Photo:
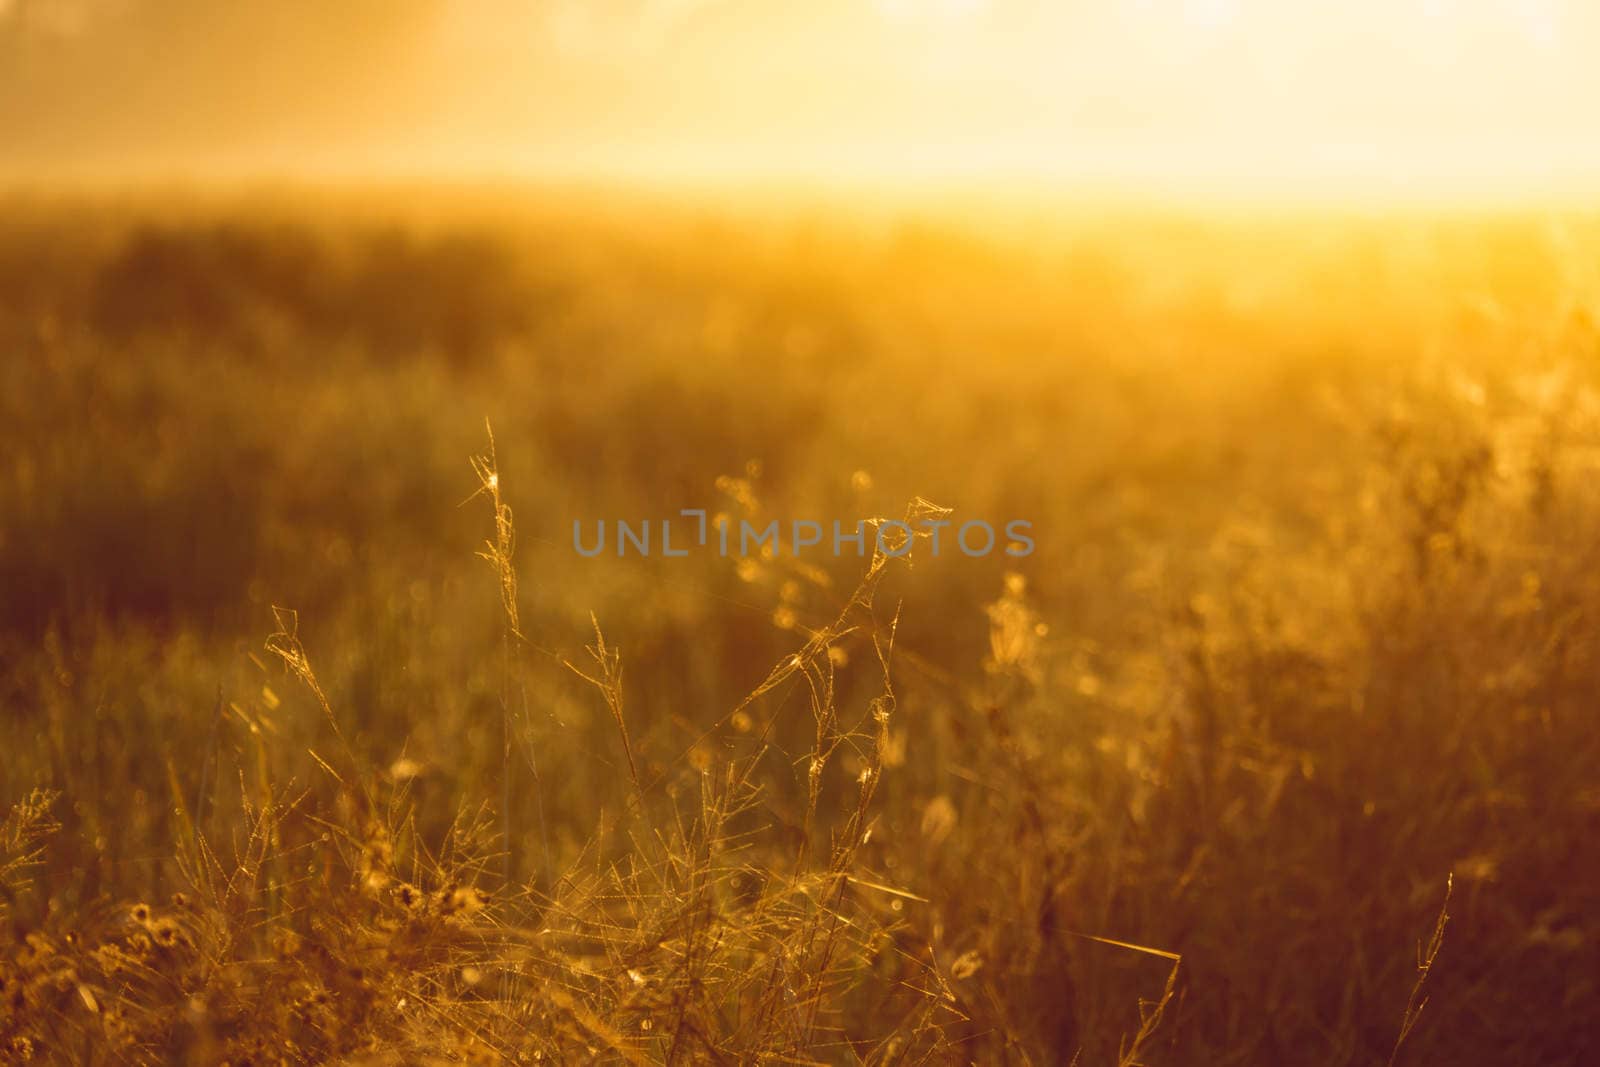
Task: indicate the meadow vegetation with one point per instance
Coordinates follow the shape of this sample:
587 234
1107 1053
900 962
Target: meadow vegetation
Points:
322 744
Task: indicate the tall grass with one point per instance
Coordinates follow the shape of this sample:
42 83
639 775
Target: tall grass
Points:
1307 638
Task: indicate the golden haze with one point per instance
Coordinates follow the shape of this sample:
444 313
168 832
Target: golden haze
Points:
321 325
1369 99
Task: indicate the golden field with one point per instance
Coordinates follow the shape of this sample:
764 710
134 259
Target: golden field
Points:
321 743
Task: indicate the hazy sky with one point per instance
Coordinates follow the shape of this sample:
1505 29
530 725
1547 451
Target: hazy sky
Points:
1384 94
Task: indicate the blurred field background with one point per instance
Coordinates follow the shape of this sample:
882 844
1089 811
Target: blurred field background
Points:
1312 627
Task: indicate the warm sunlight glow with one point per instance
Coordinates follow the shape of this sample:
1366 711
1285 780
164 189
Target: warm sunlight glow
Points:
1410 97
1013 531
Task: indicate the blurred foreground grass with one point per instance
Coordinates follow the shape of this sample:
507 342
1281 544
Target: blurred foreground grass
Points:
1313 622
